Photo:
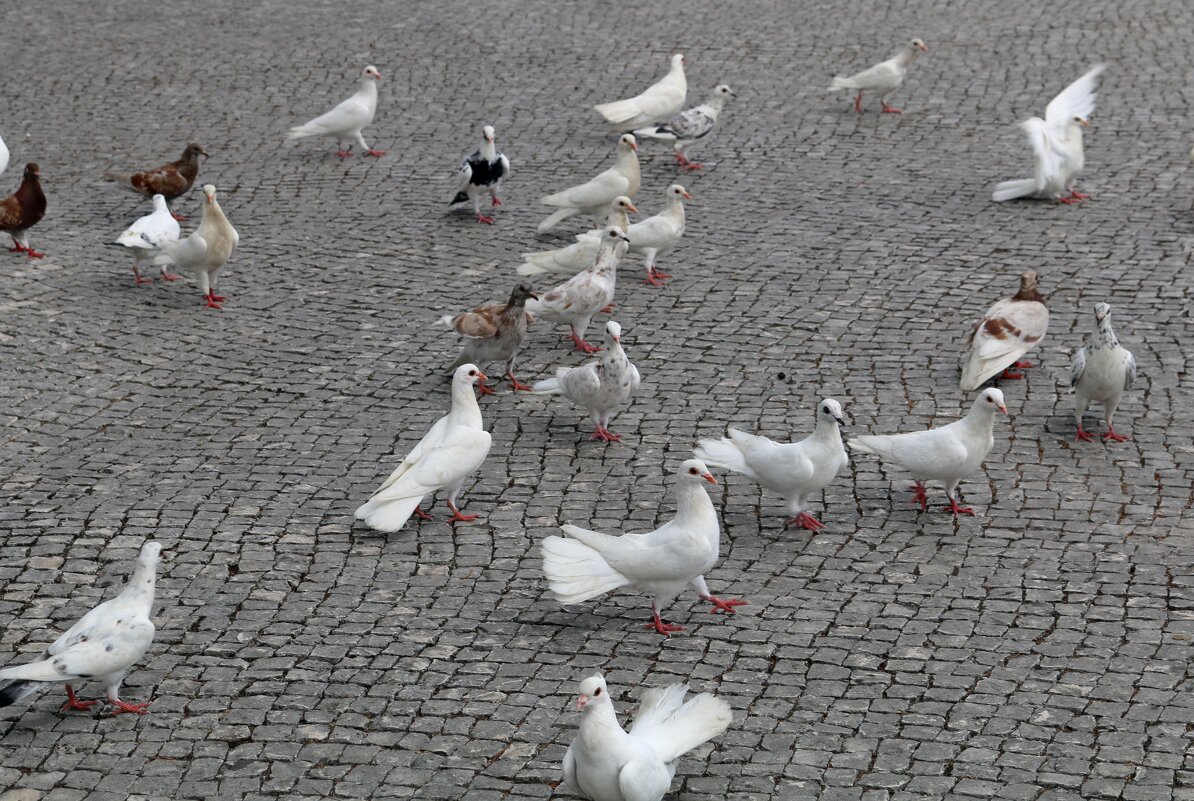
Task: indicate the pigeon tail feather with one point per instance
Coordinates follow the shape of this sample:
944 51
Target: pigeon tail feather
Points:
618 111
34 671
1010 190
575 572
387 515
722 452
840 82
699 720
556 218
17 691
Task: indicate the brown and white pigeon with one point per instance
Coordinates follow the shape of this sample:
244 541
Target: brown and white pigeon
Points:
493 333
171 180
22 210
1008 330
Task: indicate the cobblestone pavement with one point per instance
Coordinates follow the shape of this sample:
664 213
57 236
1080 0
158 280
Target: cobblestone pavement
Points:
1038 651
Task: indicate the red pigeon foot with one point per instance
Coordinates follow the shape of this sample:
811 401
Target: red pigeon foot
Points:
73 702
179 217
663 628
1078 195
375 153
692 165
1023 365
720 605
1009 375
805 520
457 516
212 302
921 497
421 514
1084 436
171 277
481 218
609 309
121 706
958 510
33 254
1111 435
517 385
655 279
1069 201
140 279
858 103
891 109
218 298
485 389
583 346
497 201
605 435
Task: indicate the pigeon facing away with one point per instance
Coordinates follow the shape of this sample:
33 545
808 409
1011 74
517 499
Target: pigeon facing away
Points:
600 387
607 763
581 253
584 564
1101 371
690 126
1008 330
102 646
794 470
575 301
22 210
657 102
1057 145
947 454
493 333
593 198
207 250
148 235
346 120
170 180
883 78
480 173
448 454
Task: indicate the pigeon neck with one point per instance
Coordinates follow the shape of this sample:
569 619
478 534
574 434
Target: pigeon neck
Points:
1073 132
627 161
981 414
1029 294
675 205
906 56
465 410
143 581
826 429
607 261
488 151
30 191
619 219
716 103
367 87
600 720
692 502
1106 335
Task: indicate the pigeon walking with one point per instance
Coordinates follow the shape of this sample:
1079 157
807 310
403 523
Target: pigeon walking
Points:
657 102
207 250
600 387
102 646
149 235
581 253
171 180
883 78
1056 143
593 198
795 470
454 449
346 121
1005 334
493 333
947 454
690 126
584 564
1101 371
482 173
575 301
22 210
607 763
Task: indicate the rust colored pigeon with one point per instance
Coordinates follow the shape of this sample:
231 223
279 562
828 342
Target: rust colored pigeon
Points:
22 210
169 180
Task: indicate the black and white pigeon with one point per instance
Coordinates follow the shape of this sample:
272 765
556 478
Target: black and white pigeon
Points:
1101 371
102 646
690 126
482 173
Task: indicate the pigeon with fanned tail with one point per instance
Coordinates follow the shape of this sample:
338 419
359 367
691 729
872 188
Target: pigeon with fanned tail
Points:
795 470
690 126
1004 335
656 103
601 387
1102 371
493 333
346 121
581 253
480 174
575 301
947 454
883 78
171 180
148 235
593 198
101 647
607 763
22 210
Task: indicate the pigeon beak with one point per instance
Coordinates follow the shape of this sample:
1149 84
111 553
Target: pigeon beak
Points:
1003 408
202 152
481 376
687 196
839 421
1084 123
922 47
709 477
618 340
634 147
532 296
581 701
632 208
625 238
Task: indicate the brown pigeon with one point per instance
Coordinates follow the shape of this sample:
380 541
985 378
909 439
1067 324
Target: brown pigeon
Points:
22 210
1005 334
493 333
169 180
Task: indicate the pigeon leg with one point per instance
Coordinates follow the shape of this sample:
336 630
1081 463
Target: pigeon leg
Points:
178 217
123 706
375 153
1069 201
605 435
609 309
342 153
582 345
139 278
657 623
858 103
481 218
33 254
958 510
805 520
497 201
656 278
1022 364
1076 195
1111 435
485 389
419 513
169 276
457 516
73 702
212 301
1084 435
517 385
1009 375
693 165
722 605
890 109
921 497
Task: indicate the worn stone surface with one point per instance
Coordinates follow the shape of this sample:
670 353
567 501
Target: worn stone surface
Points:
1038 651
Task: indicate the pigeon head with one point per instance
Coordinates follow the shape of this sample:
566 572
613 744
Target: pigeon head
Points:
159 203
613 331
150 553
723 91
919 44
146 567
990 400
628 140
677 192
1102 311
521 294
467 375
678 61
1028 290
624 203
32 171
488 134
371 72
612 236
831 410
592 692
209 192
194 151
694 471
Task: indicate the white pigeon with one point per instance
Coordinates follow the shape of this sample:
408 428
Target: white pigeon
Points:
448 454
593 198
883 78
794 470
346 120
584 564
947 454
102 646
1101 371
657 233
575 301
690 126
607 763
1057 145
600 387
581 253
657 102
3 156
207 250
1005 334
149 235
481 174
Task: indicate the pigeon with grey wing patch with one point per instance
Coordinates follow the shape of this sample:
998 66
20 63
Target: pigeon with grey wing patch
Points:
690 126
1102 371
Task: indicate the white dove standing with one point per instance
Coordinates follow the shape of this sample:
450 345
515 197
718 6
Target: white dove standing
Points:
581 253
883 78
1057 145
575 301
1101 371
454 449
102 646
690 126
947 454
607 763
794 470
207 250
661 563
346 120
1005 334
657 102
149 235
600 387
480 174
593 198
658 233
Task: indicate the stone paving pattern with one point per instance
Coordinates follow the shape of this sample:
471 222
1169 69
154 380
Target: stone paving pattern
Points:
1040 651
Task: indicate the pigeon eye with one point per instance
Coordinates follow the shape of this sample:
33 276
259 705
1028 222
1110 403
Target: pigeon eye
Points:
692 471
597 692
472 372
